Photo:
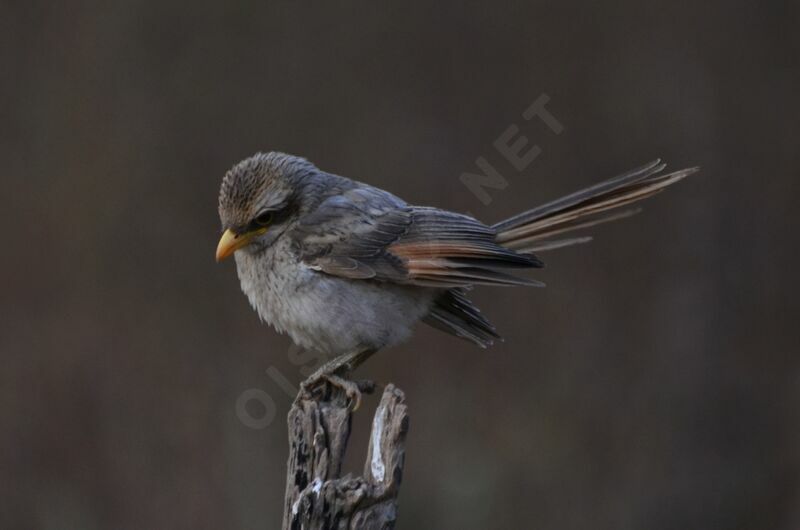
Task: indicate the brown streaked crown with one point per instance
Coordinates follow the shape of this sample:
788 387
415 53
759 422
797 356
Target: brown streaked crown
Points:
262 181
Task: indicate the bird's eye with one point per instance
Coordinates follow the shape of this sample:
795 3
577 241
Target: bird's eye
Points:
264 219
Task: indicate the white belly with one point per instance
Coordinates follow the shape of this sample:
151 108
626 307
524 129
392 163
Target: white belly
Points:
326 313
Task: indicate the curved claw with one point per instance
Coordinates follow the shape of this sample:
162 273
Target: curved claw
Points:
351 390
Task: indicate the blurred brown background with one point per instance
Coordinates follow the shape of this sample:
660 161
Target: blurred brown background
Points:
654 384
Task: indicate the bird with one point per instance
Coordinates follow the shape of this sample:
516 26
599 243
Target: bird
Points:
347 269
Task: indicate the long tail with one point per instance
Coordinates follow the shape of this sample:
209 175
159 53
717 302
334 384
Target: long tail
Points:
533 230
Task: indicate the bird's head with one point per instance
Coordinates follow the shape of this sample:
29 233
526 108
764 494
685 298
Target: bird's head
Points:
259 198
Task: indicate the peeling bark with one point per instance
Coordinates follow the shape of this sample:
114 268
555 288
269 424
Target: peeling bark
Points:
317 497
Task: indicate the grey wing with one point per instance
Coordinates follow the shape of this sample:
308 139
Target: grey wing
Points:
369 234
347 235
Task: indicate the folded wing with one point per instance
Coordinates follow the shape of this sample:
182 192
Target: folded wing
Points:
368 234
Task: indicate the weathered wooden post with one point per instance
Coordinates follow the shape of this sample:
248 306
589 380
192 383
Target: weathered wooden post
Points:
317 497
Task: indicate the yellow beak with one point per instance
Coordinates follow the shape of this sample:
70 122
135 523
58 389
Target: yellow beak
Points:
230 242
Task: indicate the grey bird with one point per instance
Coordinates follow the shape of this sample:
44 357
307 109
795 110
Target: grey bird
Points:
347 269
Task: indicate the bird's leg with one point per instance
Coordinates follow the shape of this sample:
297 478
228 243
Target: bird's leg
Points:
334 373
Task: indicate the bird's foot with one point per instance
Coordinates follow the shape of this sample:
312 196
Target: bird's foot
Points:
323 383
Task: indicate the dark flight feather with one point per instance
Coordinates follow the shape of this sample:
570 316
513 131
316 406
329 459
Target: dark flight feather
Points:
404 244
455 314
586 207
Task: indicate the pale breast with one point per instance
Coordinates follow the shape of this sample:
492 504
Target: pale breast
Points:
327 313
